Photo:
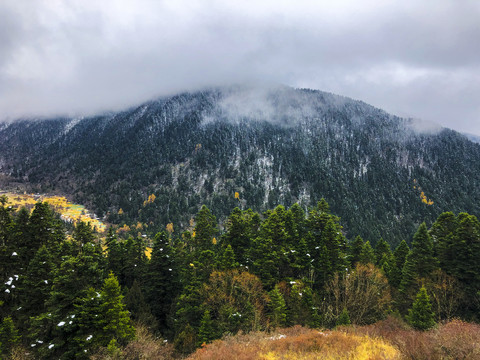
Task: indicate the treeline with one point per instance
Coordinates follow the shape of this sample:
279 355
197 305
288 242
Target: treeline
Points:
64 296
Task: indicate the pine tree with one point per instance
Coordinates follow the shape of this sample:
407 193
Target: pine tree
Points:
206 332
325 234
465 264
116 256
9 337
278 308
44 228
162 283
381 249
205 229
265 261
367 256
36 285
185 342
421 316
355 250
273 232
419 262
399 255
83 233
236 234
343 318
115 319
134 261
22 236
228 259
442 233
422 252
140 311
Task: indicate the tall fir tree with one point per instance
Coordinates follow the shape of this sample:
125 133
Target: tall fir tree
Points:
355 250
36 284
9 337
421 316
205 230
420 261
115 320
367 255
206 332
278 308
400 256
465 265
442 233
382 249
162 283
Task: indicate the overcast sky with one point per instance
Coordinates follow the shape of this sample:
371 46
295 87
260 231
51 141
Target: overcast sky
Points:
416 58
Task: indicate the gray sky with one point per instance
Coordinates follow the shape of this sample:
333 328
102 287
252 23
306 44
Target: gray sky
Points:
412 58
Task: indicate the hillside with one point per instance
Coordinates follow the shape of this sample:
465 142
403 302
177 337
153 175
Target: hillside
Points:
252 148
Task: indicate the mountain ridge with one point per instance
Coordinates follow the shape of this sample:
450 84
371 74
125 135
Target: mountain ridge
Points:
270 145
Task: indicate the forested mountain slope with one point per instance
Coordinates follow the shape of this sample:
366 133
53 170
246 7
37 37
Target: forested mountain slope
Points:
383 175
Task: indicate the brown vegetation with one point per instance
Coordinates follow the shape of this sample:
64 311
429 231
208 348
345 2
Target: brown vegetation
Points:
453 340
297 343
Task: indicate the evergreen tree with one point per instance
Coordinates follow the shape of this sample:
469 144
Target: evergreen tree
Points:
205 230
21 236
83 233
265 261
367 256
162 284
422 252
273 232
442 233
36 285
302 260
343 318
419 262
326 243
381 249
116 255
206 332
186 340
115 320
140 311
355 251
465 264
421 316
6 222
239 233
9 337
278 308
228 259
44 228
301 305
401 253
134 261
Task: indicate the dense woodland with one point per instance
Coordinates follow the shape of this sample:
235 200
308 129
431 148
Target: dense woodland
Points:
67 295
271 146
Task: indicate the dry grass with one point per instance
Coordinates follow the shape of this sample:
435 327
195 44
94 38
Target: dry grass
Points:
298 343
453 340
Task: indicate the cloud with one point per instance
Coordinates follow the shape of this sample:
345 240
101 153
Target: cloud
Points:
79 57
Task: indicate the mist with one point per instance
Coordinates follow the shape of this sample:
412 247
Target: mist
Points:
82 57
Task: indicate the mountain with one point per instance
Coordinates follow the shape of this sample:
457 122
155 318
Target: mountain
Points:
473 137
383 175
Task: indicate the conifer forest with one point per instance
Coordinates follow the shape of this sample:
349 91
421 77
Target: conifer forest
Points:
70 294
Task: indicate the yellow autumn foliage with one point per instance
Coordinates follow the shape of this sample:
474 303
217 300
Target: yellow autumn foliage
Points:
368 348
69 212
